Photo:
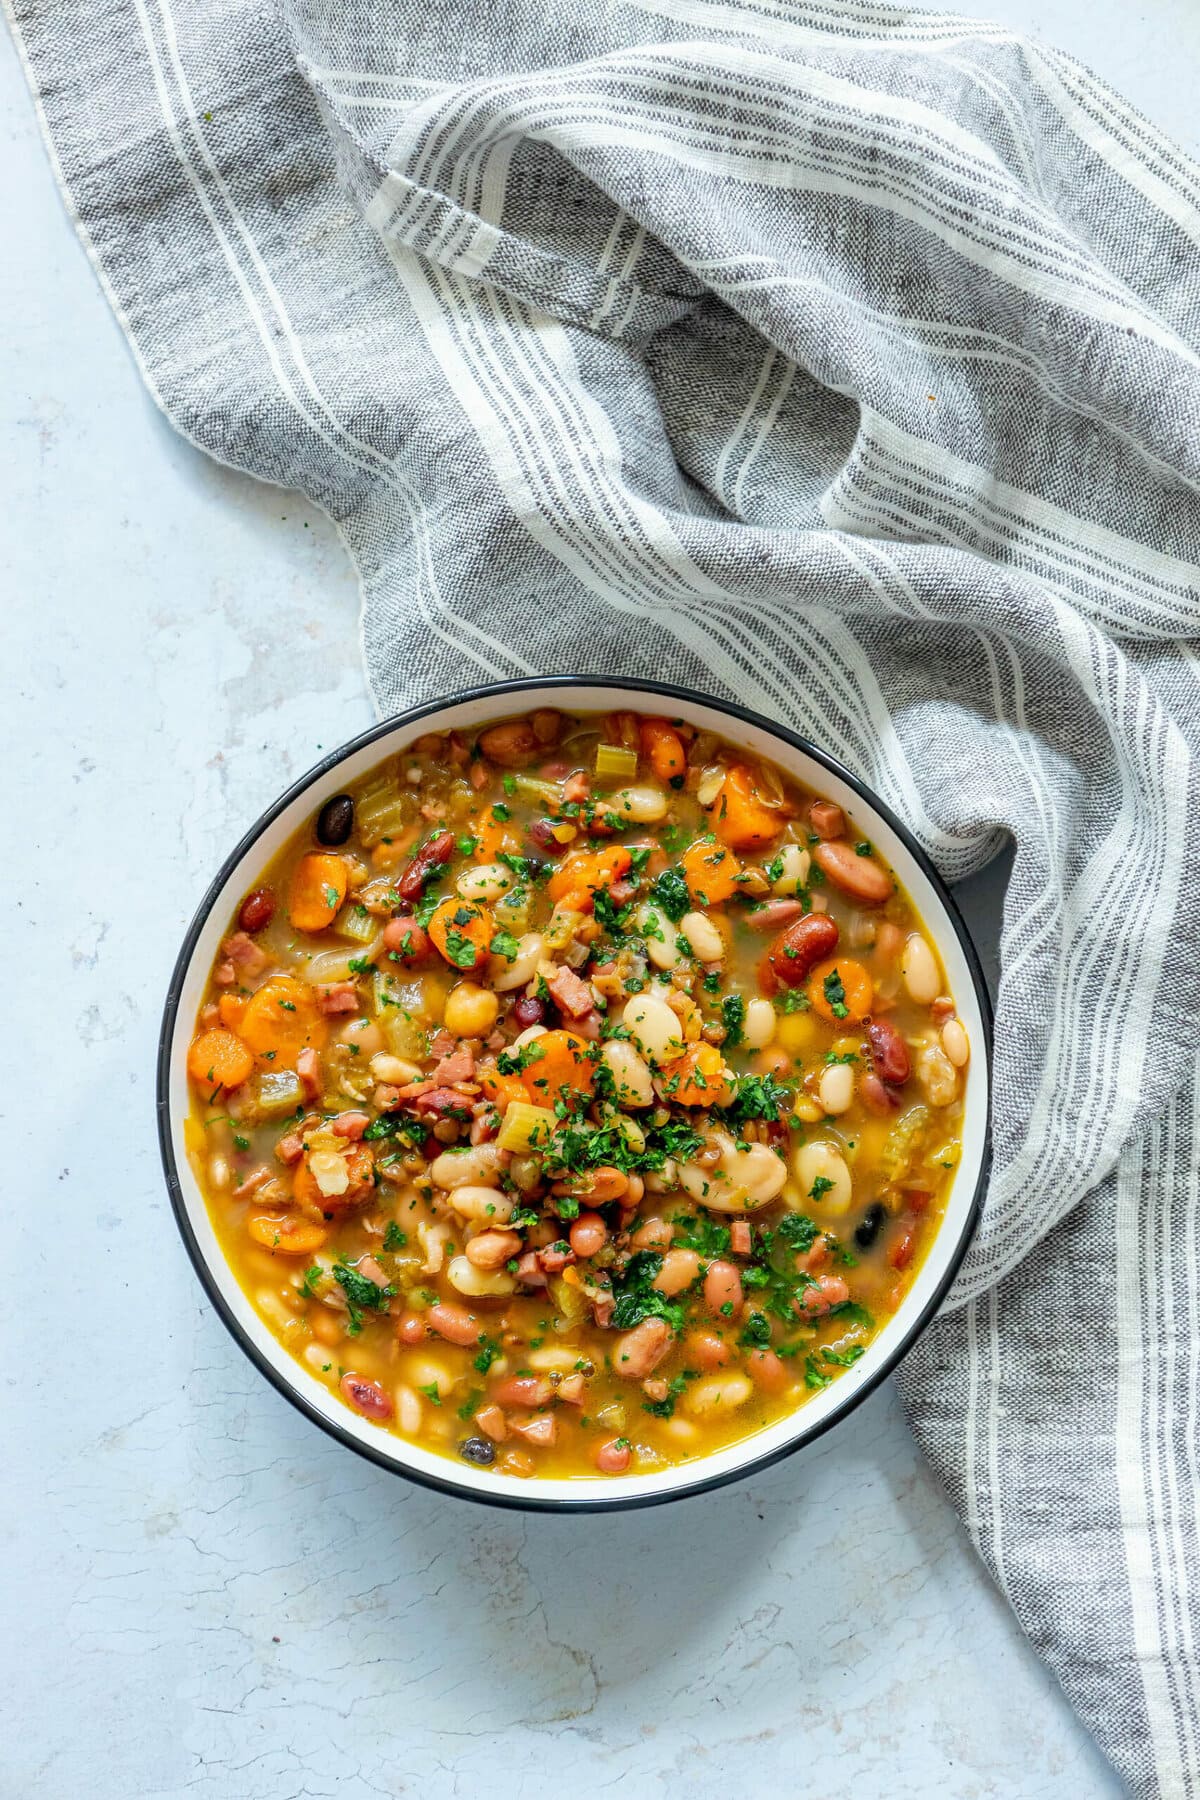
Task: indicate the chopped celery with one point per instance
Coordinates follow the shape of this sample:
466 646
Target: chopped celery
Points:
404 1036
383 810
615 762
277 1094
545 793
356 923
526 1127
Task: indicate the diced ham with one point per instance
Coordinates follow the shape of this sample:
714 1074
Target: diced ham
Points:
576 788
437 1100
571 995
224 974
386 1096
338 997
351 1124
245 955
308 1069
740 1241
554 1258
250 1184
441 1043
621 891
529 1271
290 1148
459 1065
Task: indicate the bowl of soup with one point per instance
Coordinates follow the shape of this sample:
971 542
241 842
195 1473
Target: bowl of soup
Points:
575 1093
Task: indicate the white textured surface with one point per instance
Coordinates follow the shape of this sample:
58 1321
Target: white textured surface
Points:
202 1595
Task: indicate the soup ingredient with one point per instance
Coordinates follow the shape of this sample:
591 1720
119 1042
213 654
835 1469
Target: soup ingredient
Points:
219 1060
335 821
318 888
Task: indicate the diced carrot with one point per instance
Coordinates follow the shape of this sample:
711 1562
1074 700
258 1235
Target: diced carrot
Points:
664 747
588 870
711 871
462 932
318 888
741 817
231 1007
289 1235
566 1061
856 996
697 1078
503 1089
492 835
279 1019
218 1059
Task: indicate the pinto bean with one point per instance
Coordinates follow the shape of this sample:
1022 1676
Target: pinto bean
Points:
767 1371
613 1456
454 1323
826 1292
889 1052
257 910
523 1390
801 946
653 1234
708 1348
367 1397
861 877
403 937
679 1269
511 744
773 915
723 1287
410 1328
588 1234
639 1351
492 1249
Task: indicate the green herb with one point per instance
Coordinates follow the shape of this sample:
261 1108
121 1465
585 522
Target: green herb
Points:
841 1056
756 1332
358 965
820 1187
637 1298
670 891
798 1232
362 1294
474 1396
461 951
733 1017
843 1359
500 812
489 1352
663 1409
240 1142
509 784
701 1234
567 1207
308 1287
511 1062
506 945
290 1005
396 1125
525 868
332 898
431 1393
427 908
814 1375
863 849
393 1237
466 846
757 1097
835 994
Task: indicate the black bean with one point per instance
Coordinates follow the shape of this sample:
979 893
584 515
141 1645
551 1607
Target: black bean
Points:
335 821
477 1450
871 1225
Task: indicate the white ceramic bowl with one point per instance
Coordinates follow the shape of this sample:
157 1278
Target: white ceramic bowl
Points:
582 695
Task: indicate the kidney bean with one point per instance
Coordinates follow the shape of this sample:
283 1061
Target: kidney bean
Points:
492 1249
803 944
723 1287
411 1328
257 910
542 833
876 1096
859 876
639 1351
613 1457
335 821
432 856
773 915
454 1323
588 1234
523 1390
404 938
767 1371
827 1292
827 819
708 1348
889 1052
367 1396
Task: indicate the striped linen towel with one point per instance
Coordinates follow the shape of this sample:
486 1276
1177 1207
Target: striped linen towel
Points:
841 358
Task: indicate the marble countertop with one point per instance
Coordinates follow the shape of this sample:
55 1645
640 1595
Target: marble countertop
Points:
203 1595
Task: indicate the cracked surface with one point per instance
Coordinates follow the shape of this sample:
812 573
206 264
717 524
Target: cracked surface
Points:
203 1596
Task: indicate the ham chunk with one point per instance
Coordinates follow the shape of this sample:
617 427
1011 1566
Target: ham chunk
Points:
245 955
338 997
572 996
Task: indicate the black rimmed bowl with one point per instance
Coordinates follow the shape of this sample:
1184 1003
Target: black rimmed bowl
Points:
466 712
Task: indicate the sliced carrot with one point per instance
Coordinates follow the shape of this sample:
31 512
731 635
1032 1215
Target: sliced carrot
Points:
741 817
840 982
664 747
492 835
697 1078
588 870
218 1059
462 933
289 1235
279 1019
231 1007
503 1089
711 871
318 888
566 1061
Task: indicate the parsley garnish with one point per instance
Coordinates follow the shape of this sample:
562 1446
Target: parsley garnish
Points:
670 891
835 994
362 1294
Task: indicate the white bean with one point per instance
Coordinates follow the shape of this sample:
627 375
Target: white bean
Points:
956 1043
794 865
654 1028
919 969
218 1172
937 1075
631 1076
487 1206
836 1088
487 881
466 1168
759 1027
527 1036
719 1393
662 938
744 1178
821 1165
642 805
318 1357
408 1410
394 1069
708 946
522 969
478 1284
552 1359
280 1308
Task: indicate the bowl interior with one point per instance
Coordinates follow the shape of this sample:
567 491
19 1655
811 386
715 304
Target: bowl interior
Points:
291 1376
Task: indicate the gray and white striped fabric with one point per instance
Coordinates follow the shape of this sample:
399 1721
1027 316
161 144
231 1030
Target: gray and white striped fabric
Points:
842 358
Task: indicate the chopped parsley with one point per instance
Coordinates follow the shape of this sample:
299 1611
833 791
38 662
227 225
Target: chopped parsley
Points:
393 1237
506 945
670 891
362 1294
733 1017
835 994
488 1353
637 1297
